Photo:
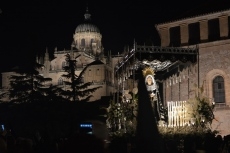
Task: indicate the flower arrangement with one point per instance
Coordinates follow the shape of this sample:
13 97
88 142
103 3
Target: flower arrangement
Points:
199 116
121 116
201 108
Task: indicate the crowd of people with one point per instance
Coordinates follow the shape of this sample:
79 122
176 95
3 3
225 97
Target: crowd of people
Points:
86 143
90 143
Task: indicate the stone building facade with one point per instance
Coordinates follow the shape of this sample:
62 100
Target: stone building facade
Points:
210 33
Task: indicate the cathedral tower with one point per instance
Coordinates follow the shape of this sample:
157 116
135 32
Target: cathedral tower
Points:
87 37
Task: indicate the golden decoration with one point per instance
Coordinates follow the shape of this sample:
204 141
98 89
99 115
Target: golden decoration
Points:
148 71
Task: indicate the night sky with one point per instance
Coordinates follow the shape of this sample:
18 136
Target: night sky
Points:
29 26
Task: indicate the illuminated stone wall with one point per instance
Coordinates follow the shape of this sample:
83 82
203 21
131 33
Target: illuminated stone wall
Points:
213 61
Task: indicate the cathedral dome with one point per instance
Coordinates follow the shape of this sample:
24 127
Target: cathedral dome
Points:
87 26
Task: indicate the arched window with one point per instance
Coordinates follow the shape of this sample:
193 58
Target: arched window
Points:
218 90
60 81
91 42
63 64
83 42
